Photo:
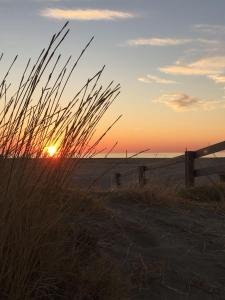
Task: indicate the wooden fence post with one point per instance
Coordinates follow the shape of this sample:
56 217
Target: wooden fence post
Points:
118 180
142 176
189 168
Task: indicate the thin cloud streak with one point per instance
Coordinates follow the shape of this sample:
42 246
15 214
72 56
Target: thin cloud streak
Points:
162 42
217 78
85 14
155 79
209 28
158 42
205 66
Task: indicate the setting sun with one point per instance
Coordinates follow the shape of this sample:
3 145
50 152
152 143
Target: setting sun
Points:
51 150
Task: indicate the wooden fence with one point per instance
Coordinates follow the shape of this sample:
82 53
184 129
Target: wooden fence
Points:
191 173
189 160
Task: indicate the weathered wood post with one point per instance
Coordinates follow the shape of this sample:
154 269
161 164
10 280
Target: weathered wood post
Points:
189 168
118 180
142 175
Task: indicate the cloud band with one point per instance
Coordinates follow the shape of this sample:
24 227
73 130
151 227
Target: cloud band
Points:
85 14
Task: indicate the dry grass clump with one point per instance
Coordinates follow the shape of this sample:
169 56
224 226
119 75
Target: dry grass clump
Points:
206 193
208 196
47 246
48 249
150 194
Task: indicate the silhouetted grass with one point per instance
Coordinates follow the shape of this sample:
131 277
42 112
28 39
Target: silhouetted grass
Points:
32 116
47 246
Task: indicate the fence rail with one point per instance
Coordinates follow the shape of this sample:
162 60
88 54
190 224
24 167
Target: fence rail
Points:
190 172
210 149
191 156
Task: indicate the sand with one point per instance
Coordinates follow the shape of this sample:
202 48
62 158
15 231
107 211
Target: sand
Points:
170 250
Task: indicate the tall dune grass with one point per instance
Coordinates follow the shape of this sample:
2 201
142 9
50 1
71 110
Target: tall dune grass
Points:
46 249
32 117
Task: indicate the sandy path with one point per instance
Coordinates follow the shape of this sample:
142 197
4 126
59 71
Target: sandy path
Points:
172 252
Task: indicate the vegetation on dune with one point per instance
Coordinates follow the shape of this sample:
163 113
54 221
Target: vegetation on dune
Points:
47 248
32 116
206 193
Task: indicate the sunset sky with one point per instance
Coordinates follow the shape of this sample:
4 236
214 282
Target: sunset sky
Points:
168 55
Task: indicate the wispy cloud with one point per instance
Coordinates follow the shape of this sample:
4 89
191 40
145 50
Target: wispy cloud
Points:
209 28
181 102
170 41
157 42
85 14
209 42
205 66
155 79
218 78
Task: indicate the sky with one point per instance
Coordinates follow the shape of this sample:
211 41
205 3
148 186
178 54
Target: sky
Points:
168 56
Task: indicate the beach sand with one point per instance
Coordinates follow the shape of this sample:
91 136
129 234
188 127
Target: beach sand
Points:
171 250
